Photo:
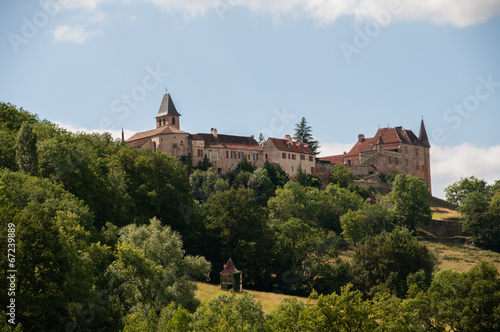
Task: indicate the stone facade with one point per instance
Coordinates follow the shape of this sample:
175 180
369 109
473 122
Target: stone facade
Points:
390 150
290 155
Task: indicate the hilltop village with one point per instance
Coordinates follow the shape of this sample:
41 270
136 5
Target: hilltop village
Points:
395 149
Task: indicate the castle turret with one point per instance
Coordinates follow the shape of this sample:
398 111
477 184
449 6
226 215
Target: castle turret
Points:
167 114
424 141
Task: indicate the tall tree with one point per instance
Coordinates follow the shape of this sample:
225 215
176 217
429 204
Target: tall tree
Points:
303 133
26 153
410 197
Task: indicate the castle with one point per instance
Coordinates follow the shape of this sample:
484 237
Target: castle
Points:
223 151
390 150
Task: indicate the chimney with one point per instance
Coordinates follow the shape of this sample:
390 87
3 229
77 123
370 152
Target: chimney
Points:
288 138
213 131
361 138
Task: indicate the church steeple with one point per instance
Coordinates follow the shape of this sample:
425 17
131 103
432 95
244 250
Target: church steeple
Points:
422 135
167 114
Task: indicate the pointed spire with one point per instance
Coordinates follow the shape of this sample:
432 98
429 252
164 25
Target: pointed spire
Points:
167 107
422 135
123 136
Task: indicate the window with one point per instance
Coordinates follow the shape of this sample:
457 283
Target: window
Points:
240 155
418 167
406 162
283 155
210 154
173 121
288 156
312 170
218 155
423 167
227 154
292 168
311 159
396 161
389 160
154 146
293 157
255 156
266 156
215 164
349 162
233 154
200 153
406 149
302 157
416 152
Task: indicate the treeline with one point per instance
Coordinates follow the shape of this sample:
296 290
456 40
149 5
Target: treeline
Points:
108 237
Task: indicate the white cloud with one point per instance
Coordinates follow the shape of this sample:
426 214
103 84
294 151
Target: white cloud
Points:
333 148
449 164
78 35
459 13
116 134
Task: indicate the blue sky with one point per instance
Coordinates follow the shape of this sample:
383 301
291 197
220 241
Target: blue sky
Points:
246 67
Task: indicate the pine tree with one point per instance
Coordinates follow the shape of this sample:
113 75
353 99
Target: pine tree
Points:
26 153
261 140
303 134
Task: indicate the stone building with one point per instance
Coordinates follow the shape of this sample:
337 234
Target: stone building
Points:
230 277
290 155
390 150
223 151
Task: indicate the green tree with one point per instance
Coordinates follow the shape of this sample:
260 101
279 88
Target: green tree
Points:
341 175
26 150
236 225
276 173
307 180
303 134
457 192
354 226
482 220
261 140
204 164
391 260
260 182
410 197
151 269
202 183
227 312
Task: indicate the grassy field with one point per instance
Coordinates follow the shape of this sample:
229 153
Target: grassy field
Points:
205 292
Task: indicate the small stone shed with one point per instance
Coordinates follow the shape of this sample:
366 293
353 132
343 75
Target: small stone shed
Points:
230 277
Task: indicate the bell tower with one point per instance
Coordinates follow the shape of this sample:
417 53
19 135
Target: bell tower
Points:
167 114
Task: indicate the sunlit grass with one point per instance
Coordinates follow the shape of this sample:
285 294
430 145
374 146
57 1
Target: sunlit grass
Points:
206 292
441 213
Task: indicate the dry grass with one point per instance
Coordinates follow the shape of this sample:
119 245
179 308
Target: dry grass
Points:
441 213
461 257
206 292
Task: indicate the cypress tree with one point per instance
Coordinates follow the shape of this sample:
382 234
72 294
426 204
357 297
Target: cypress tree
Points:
26 153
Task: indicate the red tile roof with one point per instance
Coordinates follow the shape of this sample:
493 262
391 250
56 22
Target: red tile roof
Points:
138 143
392 138
228 141
296 147
154 132
229 268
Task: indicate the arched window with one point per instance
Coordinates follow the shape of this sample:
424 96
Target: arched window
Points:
154 146
173 121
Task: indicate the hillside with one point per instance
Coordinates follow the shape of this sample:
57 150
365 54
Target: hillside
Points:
451 254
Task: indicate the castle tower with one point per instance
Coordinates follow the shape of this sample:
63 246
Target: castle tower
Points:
424 141
167 114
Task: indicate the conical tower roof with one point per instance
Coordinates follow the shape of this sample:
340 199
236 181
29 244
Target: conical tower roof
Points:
422 135
167 107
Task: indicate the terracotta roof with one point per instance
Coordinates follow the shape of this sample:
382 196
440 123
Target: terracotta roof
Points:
338 159
284 145
138 143
167 107
228 141
229 268
157 131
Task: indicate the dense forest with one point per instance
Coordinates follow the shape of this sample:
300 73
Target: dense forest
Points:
109 238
